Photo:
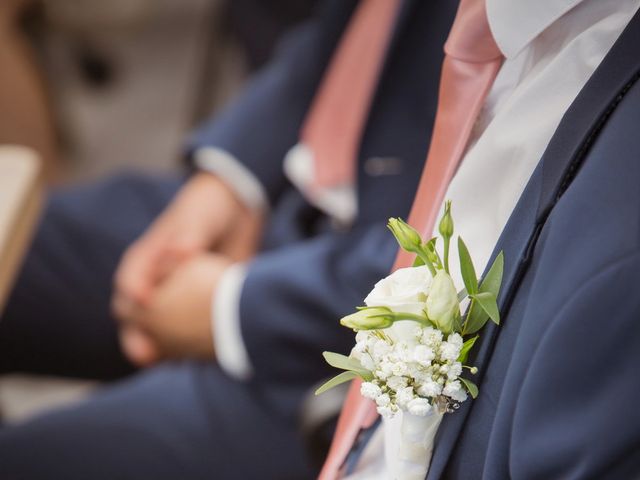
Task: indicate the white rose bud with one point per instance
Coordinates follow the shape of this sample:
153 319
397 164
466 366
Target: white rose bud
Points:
442 303
408 238
368 319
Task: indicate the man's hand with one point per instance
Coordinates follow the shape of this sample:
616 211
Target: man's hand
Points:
176 323
205 215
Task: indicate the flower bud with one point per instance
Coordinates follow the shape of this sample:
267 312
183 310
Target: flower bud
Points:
408 238
442 303
446 222
368 319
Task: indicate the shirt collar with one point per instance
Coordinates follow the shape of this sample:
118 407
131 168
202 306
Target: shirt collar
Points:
515 23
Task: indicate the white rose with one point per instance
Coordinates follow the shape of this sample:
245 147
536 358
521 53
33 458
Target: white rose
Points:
405 290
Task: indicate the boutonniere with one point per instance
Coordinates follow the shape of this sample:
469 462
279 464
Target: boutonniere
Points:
412 338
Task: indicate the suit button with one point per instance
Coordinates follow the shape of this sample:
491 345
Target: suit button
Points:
379 166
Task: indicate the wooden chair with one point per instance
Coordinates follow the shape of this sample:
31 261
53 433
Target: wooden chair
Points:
21 195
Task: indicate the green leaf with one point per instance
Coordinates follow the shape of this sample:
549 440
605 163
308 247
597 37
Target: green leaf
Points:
337 380
418 262
476 319
466 348
462 294
430 250
341 361
470 386
466 268
492 281
345 363
489 304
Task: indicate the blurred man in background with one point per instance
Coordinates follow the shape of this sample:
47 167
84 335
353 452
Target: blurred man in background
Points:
191 286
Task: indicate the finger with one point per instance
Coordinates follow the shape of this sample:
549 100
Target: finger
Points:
138 346
241 244
137 272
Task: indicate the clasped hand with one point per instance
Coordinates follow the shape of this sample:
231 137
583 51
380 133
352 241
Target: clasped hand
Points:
167 279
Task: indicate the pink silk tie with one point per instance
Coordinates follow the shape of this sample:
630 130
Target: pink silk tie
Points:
333 127
470 66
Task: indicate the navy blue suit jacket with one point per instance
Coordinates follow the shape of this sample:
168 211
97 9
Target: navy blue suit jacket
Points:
559 390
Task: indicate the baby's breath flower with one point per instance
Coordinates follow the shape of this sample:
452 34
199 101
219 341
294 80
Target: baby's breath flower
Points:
383 400
449 351
423 355
455 370
381 348
400 368
430 389
386 412
404 396
419 407
396 383
455 391
431 337
455 339
370 390
367 362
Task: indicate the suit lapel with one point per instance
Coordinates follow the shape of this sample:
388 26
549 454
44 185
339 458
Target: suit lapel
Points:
589 112
559 164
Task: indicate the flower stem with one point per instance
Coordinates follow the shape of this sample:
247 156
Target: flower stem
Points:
447 240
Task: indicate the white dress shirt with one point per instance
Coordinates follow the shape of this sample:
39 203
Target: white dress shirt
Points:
551 48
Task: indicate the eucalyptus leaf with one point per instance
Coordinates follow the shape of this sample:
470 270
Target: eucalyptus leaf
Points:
489 304
337 380
466 268
466 348
470 386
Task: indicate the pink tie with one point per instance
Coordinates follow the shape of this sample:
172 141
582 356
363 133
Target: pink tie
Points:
333 127
470 65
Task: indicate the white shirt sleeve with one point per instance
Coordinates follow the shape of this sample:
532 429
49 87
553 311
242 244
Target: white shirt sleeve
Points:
243 182
225 305
230 349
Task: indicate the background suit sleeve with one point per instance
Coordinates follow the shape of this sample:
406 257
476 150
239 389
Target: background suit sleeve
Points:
260 126
294 297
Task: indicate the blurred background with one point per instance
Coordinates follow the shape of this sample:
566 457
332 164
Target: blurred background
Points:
98 86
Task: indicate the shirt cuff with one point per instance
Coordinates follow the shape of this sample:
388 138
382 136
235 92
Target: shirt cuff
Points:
241 180
230 349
